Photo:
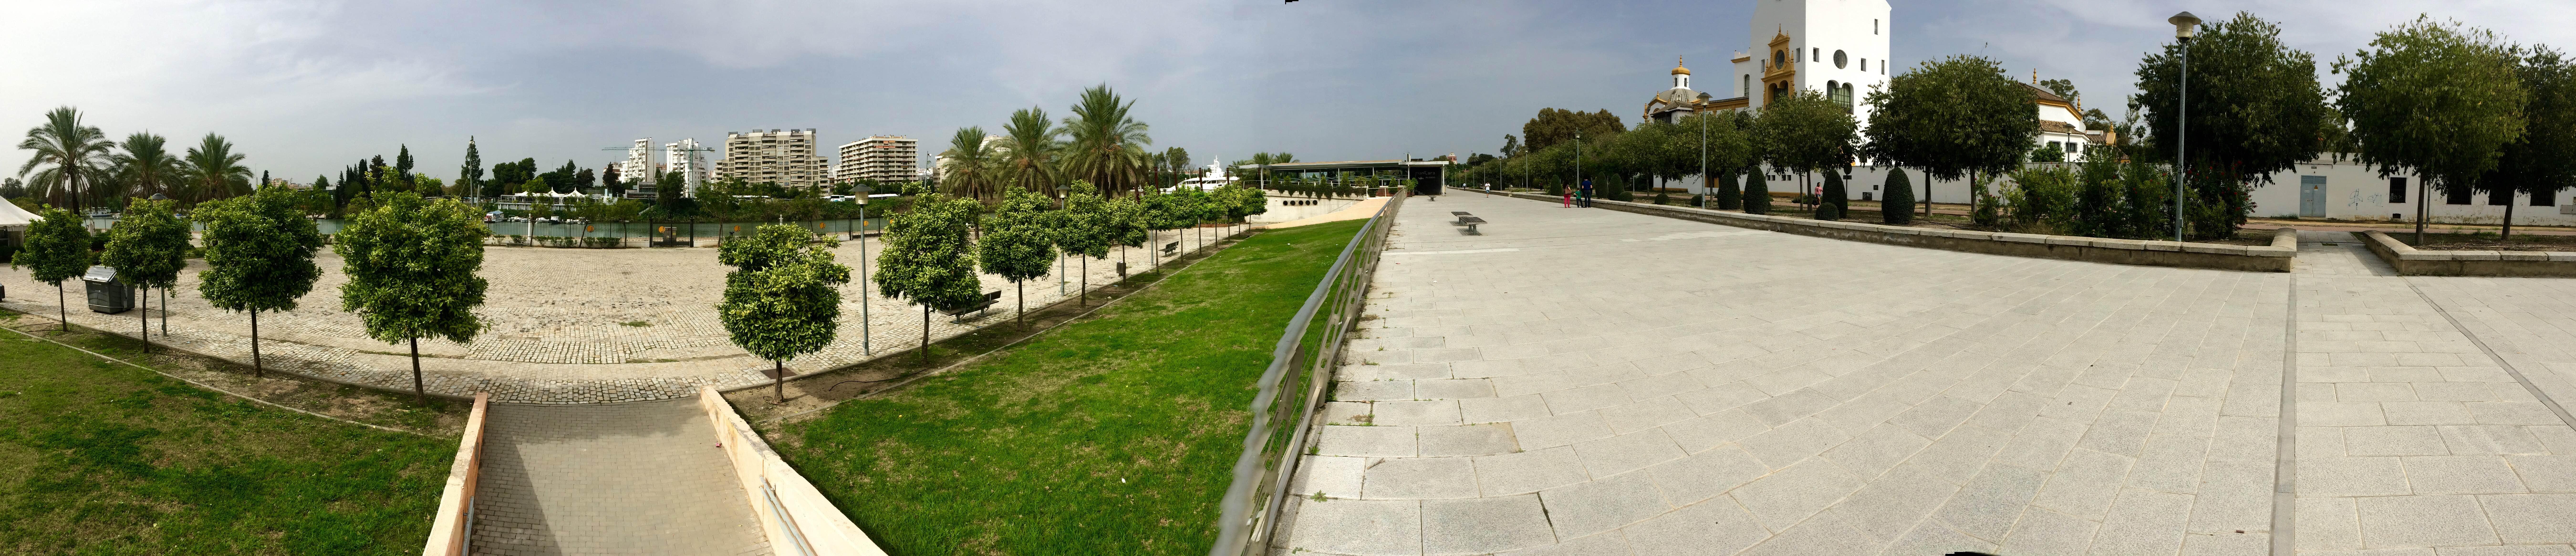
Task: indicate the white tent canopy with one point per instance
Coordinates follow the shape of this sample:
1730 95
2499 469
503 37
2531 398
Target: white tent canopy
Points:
14 218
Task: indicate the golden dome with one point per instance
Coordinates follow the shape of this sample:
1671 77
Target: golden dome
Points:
1677 67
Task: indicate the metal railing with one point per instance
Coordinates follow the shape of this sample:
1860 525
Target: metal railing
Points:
1301 368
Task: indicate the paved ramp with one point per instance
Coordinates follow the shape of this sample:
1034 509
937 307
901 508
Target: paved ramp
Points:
631 478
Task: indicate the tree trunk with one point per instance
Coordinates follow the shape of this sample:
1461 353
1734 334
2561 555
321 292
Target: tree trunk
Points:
418 393
778 380
2423 189
1086 282
925 335
1022 299
62 307
2506 237
143 316
165 292
256 371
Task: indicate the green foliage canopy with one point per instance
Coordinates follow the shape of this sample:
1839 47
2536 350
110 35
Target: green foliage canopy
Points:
259 252
412 265
782 298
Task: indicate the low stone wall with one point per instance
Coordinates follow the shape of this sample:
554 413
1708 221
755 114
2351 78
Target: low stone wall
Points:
792 513
448 531
2273 258
2410 261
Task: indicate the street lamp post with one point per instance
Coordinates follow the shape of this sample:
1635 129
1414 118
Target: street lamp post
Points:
861 232
2184 24
1578 166
1703 160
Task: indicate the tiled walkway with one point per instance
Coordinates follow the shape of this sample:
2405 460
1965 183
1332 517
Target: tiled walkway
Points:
1596 382
631 478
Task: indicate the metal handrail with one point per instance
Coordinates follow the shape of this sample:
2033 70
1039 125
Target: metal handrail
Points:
1250 510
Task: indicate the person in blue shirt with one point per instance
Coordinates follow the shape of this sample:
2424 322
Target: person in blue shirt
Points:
1585 200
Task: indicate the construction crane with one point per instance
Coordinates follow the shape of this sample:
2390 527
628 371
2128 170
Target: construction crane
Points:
653 177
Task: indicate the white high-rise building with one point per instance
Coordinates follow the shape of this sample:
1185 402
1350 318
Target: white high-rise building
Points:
685 157
638 166
784 157
884 158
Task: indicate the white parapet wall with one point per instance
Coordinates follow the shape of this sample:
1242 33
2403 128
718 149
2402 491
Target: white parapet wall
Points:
447 534
796 518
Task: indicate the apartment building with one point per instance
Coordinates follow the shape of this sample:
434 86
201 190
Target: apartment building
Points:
685 157
785 157
884 158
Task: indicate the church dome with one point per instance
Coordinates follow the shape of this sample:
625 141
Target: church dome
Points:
1677 67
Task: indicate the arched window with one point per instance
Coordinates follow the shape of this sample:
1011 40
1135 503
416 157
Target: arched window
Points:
1779 59
1748 86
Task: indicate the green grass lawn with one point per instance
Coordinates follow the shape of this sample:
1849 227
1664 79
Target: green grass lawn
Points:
1115 435
103 458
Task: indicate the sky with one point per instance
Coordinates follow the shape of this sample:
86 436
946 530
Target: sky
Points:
306 87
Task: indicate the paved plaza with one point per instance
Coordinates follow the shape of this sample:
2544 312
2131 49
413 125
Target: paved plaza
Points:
1584 381
566 325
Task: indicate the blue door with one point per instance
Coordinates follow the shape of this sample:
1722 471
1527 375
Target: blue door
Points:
2312 196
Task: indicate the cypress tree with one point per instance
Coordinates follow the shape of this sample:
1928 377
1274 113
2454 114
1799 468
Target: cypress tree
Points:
1834 193
1757 196
1729 196
1898 207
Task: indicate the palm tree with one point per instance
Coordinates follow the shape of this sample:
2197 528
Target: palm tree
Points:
1108 147
1032 142
214 172
145 168
73 152
968 172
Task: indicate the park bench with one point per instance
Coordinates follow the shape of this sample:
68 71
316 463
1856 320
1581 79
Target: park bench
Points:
1169 247
1471 223
1462 217
978 308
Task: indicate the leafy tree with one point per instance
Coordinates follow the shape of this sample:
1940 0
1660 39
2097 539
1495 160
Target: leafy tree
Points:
1730 196
11 188
57 249
148 247
214 172
469 177
1126 222
72 152
2044 198
1552 126
1015 245
259 256
403 165
1083 228
412 264
584 180
1030 147
2254 108
1805 132
1951 119
1896 206
929 258
2435 98
616 184
1108 142
2543 161
672 199
783 297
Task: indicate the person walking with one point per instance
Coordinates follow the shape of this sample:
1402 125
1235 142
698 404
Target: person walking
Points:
1586 199
1569 199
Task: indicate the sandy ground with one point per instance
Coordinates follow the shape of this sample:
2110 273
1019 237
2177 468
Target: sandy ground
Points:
564 325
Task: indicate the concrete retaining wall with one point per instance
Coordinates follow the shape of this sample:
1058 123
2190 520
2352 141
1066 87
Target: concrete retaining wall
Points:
2273 258
447 533
2410 261
799 516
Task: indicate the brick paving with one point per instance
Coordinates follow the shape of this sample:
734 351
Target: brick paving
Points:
631 478
1595 382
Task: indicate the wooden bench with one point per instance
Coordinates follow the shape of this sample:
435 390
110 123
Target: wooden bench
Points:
1169 247
954 313
1471 223
1462 217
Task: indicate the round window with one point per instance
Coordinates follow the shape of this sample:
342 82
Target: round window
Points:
1779 58
1840 60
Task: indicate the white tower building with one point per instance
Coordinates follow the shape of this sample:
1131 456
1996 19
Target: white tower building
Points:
1837 48
638 166
684 157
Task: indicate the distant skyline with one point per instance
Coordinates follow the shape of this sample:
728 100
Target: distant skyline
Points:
305 87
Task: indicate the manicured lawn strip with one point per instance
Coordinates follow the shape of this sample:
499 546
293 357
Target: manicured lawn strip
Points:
1115 435
102 458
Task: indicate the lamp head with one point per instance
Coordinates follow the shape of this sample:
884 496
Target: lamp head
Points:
2184 24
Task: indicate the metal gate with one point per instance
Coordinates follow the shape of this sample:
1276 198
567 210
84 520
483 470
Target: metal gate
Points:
2312 196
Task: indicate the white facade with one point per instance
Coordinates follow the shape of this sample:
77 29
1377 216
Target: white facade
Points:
785 157
638 166
684 156
884 158
1836 47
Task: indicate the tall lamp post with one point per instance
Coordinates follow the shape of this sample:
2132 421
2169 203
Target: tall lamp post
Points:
1578 165
2184 25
